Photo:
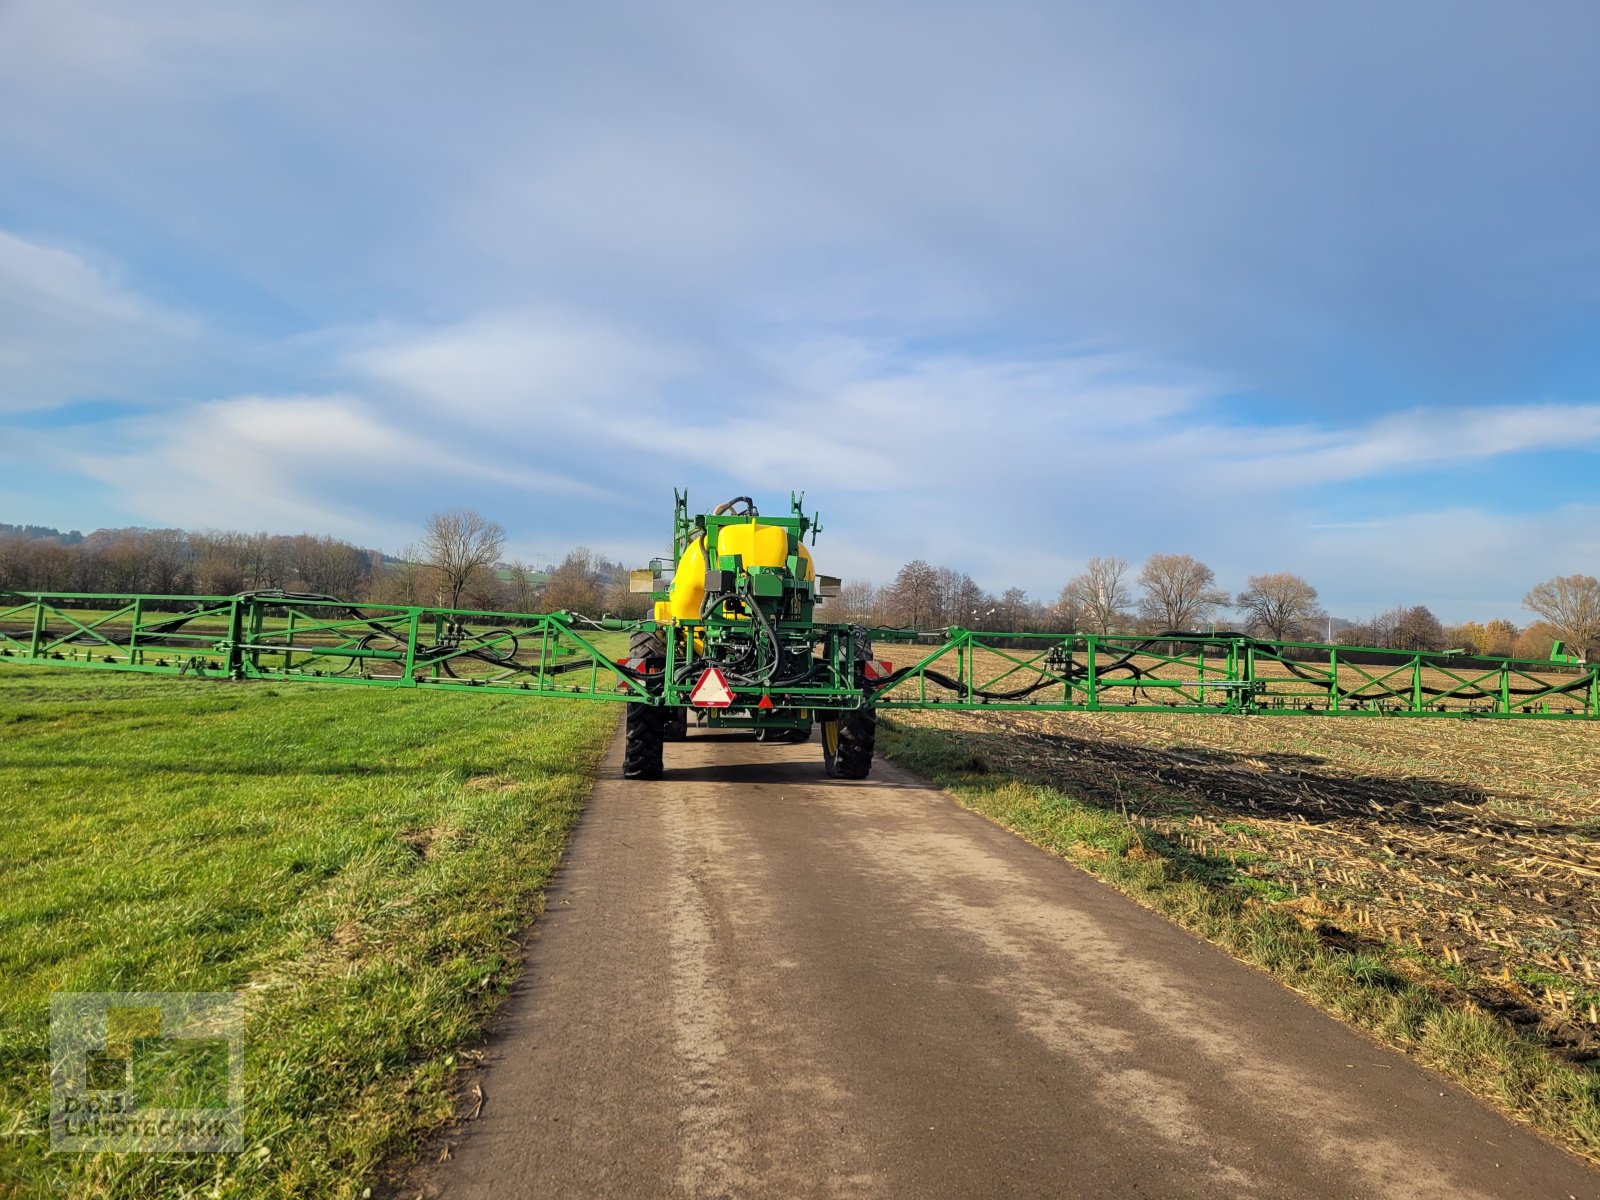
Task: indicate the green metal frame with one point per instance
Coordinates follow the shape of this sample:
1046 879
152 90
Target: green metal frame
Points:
315 641
286 638
1228 674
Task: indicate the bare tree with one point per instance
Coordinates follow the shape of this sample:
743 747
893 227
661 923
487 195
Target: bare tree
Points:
168 561
1066 613
176 562
219 575
1419 630
1387 626
965 603
1011 611
459 544
621 601
264 561
1180 592
575 585
485 592
1571 603
857 603
1280 604
327 565
523 588
1381 631
14 561
914 595
1100 594
405 580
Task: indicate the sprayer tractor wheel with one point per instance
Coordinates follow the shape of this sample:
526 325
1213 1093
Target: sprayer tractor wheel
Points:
649 725
847 743
641 756
647 644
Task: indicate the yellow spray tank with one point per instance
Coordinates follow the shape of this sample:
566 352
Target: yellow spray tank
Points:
756 544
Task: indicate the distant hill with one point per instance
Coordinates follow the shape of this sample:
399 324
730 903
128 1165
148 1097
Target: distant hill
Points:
41 532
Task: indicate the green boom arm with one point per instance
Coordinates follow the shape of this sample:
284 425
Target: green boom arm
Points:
285 637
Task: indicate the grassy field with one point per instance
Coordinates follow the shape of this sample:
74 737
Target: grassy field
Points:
1435 882
354 863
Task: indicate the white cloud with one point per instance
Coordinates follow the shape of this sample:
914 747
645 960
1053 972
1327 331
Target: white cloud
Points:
276 461
521 372
69 330
829 409
1301 455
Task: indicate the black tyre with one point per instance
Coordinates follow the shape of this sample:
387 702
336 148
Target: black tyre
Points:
649 725
647 644
848 743
641 757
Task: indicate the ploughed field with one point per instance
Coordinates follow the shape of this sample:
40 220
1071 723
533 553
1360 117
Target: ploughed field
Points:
1471 846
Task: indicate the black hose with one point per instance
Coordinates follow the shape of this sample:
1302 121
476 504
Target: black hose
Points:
1124 663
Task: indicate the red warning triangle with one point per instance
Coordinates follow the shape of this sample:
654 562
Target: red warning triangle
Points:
766 703
711 691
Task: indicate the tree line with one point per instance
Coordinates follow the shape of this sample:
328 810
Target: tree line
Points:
183 562
459 562
1179 592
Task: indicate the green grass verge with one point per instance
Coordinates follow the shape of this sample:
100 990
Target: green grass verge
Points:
1374 985
355 864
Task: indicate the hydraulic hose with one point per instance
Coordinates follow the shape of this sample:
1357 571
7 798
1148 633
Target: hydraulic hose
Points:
1124 663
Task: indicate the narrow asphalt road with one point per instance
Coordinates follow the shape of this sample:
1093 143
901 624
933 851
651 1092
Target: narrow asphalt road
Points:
755 981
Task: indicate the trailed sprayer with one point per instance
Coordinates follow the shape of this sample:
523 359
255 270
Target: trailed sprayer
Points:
733 642
735 637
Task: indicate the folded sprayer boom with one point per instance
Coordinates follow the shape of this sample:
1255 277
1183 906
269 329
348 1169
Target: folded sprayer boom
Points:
733 640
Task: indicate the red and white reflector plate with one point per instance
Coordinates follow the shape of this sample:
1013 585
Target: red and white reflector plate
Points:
879 668
711 690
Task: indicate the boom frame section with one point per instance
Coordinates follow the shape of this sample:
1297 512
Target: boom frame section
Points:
290 638
313 639
1228 674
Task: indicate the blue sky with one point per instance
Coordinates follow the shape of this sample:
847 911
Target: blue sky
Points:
1289 287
